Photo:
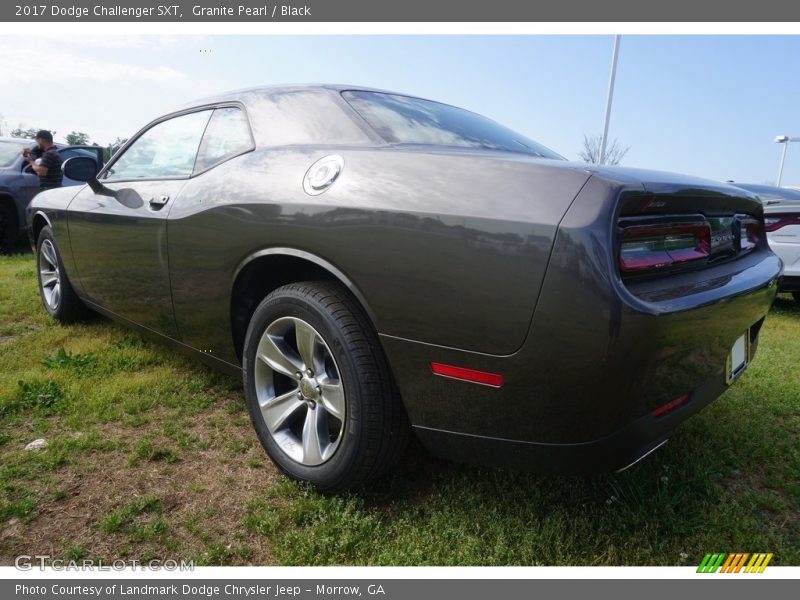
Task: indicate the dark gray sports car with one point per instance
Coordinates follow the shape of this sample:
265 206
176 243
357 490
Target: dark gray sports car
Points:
373 263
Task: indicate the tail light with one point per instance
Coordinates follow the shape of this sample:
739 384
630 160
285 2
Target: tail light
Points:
775 222
653 246
749 233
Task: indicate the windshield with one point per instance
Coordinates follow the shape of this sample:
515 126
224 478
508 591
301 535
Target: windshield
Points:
407 120
9 151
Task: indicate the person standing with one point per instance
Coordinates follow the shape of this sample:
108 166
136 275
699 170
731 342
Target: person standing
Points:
45 161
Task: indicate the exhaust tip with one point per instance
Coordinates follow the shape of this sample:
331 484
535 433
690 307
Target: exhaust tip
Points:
642 457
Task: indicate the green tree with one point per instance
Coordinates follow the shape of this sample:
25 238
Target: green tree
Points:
77 138
29 134
112 148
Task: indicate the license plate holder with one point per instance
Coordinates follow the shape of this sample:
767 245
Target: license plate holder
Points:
738 358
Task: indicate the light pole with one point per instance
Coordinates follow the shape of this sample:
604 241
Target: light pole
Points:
783 139
609 97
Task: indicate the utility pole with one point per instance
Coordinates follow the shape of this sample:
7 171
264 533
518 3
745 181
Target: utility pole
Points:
609 98
783 139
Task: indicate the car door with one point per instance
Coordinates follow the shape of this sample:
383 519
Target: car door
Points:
117 224
200 249
30 181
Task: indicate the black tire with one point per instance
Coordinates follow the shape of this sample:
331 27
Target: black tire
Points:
375 430
796 296
8 228
68 308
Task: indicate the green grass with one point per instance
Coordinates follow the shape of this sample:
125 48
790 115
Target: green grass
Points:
152 455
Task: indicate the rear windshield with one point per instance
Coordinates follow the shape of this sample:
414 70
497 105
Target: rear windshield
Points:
9 151
407 120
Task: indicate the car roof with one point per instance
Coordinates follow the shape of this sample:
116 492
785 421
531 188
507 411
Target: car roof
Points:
244 94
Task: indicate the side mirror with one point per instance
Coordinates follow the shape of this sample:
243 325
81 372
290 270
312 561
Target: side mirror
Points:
80 168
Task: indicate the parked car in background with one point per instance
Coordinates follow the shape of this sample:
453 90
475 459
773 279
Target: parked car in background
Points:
782 221
19 184
367 261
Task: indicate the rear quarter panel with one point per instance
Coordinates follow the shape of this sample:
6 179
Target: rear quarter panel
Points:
449 249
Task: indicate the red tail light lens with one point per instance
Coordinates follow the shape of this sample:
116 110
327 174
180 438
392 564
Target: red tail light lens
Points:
750 234
654 246
775 222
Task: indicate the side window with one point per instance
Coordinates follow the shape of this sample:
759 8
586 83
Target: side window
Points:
227 135
167 149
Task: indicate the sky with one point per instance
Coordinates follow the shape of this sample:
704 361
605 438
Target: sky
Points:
708 106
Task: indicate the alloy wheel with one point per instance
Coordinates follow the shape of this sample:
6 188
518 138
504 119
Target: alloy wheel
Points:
49 275
300 393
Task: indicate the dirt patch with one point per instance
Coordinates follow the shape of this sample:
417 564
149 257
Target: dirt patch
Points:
202 498
740 485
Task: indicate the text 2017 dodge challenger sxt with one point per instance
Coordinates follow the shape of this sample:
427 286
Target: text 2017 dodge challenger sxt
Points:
373 263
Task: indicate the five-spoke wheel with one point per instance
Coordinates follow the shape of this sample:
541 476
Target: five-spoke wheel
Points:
49 277
300 392
58 296
318 387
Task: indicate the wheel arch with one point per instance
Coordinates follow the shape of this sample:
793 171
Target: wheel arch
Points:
38 222
270 268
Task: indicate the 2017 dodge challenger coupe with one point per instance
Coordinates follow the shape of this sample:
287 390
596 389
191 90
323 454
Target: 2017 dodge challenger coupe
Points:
373 263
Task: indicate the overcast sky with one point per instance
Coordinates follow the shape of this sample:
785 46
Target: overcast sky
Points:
703 105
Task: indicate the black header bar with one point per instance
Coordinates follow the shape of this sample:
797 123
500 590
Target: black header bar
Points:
402 11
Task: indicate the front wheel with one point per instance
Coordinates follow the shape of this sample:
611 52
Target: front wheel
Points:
796 296
319 390
58 296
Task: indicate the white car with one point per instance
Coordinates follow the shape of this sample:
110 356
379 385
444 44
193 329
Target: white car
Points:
782 221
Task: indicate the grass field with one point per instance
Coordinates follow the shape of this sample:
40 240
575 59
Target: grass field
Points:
152 456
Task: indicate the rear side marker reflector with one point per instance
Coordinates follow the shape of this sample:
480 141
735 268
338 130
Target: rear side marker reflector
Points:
471 375
670 406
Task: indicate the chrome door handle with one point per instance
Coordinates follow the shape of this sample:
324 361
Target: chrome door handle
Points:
159 200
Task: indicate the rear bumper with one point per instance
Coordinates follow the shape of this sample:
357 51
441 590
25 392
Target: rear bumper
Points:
601 353
578 396
613 452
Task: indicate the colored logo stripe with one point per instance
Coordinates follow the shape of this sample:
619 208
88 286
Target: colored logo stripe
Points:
711 563
733 563
758 563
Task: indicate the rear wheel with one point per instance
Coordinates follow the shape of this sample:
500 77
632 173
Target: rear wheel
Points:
796 296
58 296
319 390
8 228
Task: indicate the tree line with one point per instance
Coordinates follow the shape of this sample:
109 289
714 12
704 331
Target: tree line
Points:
73 138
